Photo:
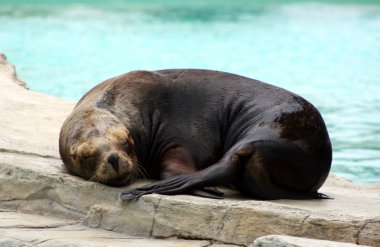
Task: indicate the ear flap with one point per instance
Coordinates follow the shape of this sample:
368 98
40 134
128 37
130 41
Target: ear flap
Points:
85 150
117 133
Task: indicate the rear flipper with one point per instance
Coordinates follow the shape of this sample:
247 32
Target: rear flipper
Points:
281 170
317 195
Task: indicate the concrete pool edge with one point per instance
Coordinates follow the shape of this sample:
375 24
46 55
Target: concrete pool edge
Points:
33 181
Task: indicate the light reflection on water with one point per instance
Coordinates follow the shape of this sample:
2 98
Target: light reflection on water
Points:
328 53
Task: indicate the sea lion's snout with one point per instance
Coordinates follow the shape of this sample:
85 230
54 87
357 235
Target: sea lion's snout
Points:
113 159
116 163
115 168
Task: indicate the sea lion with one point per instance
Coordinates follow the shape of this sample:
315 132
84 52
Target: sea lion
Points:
195 129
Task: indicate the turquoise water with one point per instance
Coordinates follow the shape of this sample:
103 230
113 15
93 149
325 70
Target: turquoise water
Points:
327 52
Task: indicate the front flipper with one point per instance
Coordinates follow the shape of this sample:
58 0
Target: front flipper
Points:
174 185
222 173
181 184
208 192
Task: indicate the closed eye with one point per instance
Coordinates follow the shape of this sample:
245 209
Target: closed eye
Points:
86 158
127 147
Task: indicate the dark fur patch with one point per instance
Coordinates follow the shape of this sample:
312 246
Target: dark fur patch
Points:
299 124
93 132
108 99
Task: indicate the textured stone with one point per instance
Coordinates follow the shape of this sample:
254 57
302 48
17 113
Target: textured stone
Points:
8 72
288 241
32 179
22 220
18 229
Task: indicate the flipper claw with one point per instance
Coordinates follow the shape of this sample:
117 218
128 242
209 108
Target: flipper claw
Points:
317 195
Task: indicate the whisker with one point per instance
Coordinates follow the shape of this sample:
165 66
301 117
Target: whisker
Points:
98 179
137 171
94 177
133 175
104 180
142 170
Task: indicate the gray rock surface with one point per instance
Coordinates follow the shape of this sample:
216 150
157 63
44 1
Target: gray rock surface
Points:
19 229
32 180
289 241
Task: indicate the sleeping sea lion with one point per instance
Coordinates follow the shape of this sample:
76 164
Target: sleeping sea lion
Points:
195 129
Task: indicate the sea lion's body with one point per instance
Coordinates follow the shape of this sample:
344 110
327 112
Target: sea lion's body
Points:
213 128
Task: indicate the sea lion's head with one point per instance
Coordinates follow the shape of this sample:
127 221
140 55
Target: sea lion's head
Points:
95 145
